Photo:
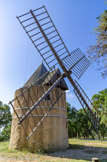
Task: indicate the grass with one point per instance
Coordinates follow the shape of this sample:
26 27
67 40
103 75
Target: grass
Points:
88 147
96 143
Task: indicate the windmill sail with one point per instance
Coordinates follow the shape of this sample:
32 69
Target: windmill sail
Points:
42 32
40 28
88 107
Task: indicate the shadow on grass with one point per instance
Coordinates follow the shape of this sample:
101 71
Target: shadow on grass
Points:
81 152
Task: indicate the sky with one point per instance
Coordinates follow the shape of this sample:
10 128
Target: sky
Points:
75 21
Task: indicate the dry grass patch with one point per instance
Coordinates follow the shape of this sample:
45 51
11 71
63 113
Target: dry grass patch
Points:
79 151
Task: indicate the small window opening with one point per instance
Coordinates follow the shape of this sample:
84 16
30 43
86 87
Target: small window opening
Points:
48 97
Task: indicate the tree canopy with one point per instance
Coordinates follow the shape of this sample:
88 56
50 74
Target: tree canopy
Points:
5 121
100 102
98 52
78 122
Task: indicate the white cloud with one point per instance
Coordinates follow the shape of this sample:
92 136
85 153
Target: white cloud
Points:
70 95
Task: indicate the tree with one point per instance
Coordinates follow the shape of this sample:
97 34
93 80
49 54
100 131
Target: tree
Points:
72 120
5 121
100 102
83 124
98 52
78 123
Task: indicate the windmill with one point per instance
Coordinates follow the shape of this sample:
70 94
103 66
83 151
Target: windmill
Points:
61 64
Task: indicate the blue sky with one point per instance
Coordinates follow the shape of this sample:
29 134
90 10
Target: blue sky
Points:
74 20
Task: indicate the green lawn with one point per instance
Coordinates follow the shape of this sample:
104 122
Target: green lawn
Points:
79 151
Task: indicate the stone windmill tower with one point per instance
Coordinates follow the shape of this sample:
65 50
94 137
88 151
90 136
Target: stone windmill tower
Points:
39 116
53 130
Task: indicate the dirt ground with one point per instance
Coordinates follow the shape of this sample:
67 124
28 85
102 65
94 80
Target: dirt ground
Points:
84 153
79 151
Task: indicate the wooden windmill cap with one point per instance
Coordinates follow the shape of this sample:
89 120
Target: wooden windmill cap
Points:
40 71
47 79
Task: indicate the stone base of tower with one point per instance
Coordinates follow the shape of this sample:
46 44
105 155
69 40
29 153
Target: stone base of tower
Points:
51 135
48 140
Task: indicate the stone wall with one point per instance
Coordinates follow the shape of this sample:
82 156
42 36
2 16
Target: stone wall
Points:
52 134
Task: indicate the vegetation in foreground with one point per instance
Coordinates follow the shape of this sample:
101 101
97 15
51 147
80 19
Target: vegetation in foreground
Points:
80 150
